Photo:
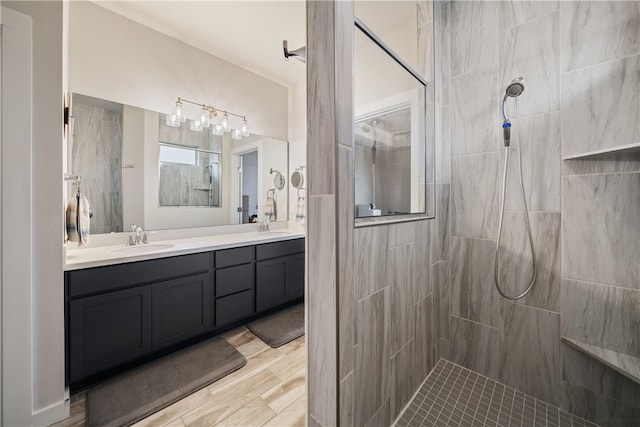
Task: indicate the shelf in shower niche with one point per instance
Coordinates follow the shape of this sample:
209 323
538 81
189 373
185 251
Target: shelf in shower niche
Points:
627 365
621 149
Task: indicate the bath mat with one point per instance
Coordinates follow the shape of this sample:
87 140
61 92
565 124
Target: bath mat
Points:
131 396
279 328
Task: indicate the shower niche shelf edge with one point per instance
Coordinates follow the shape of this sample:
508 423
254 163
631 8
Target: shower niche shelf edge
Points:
627 365
620 149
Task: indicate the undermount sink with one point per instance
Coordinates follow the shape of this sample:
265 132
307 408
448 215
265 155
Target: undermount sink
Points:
141 249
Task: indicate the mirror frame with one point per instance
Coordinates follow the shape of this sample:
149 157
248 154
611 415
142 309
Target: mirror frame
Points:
427 213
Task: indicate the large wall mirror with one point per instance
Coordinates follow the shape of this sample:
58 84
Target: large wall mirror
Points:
394 145
137 170
128 64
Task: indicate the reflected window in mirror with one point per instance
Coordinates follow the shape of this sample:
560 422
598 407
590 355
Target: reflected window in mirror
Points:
189 163
393 150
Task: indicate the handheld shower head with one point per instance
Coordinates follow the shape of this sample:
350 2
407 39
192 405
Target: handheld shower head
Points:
515 88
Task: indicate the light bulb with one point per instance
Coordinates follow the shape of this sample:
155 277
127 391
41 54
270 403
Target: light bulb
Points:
216 129
178 112
205 117
245 127
172 120
225 123
236 134
195 126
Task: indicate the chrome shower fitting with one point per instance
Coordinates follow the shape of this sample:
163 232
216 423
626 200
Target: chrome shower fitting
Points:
300 54
515 89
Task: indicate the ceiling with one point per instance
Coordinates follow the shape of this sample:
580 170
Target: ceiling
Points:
249 33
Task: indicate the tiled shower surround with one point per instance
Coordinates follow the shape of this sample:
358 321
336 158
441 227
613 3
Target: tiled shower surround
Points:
390 300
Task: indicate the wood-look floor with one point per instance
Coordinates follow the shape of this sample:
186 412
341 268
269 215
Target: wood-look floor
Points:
268 391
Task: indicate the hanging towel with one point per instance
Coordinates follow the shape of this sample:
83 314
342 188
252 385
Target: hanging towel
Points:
78 217
300 207
270 205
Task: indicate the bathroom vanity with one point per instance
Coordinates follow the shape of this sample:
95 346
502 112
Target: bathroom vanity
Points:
121 311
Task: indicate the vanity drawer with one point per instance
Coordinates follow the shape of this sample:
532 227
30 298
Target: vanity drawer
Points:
278 249
101 279
234 279
234 308
235 256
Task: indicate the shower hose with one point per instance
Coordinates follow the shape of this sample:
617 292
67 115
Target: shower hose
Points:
496 275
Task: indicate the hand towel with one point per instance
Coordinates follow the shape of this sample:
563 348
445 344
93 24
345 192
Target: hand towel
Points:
300 208
78 217
270 206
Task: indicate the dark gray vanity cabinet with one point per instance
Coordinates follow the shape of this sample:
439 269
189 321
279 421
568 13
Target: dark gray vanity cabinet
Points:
120 313
108 330
119 316
181 309
279 273
235 285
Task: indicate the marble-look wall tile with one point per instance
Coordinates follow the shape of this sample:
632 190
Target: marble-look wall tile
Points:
321 312
516 267
601 229
442 51
426 52
321 110
442 349
612 163
441 295
539 138
402 288
443 144
605 316
443 219
346 400
476 115
370 253
473 293
530 356
601 106
592 32
372 356
474 39
382 417
582 370
404 378
422 259
401 233
597 407
424 343
96 147
347 326
474 346
425 12
531 51
514 13
474 195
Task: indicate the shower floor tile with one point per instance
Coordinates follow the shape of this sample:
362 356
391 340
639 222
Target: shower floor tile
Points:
455 396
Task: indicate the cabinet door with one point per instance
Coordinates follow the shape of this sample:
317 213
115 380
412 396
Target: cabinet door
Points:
181 309
107 330
295 276
271 283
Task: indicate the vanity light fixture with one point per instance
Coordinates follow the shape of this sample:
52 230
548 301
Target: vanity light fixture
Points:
207 119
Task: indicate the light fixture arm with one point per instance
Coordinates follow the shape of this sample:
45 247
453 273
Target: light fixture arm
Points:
211 109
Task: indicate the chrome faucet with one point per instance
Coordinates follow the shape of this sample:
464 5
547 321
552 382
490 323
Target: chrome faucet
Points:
264 226
137 236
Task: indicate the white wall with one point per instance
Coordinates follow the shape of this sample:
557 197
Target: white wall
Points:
114 58
297 137
46 361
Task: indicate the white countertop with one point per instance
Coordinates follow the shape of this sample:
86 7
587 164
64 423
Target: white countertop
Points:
79 258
